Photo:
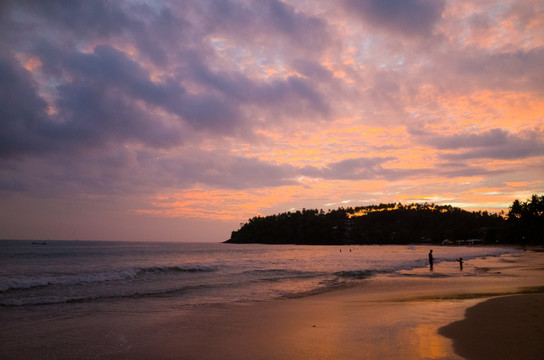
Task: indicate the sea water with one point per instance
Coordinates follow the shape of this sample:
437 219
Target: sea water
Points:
179 275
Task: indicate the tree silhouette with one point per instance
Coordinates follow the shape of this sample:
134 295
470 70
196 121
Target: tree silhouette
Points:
526 221
391 223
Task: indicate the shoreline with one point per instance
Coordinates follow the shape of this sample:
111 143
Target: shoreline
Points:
383 317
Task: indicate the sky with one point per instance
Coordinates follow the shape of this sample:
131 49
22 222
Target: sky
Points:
180 120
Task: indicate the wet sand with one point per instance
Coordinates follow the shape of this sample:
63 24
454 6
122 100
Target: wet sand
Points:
509 327
388 317
384 317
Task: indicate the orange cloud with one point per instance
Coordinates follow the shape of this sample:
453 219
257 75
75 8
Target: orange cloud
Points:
517 183
32 64
200 202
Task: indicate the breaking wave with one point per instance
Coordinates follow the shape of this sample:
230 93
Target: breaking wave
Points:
29 282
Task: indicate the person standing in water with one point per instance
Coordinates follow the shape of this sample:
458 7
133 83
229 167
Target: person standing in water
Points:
460 263
431 259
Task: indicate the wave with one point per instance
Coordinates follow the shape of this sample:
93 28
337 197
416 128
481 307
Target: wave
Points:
271 271
282 273
137 293
23 283
30 282
193 281
356 274
237 287
182 269
87 297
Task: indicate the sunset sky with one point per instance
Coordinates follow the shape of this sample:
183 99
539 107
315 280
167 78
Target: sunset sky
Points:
156 120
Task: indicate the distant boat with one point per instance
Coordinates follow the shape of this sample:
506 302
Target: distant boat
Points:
39 243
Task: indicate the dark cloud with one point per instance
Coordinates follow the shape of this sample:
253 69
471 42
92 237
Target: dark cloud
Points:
516 70
243 90
107 95
349 169
74 23
97 106
114 170
255 22
492 144
404 17
454 169
79 18
363 168
304 30
312 70
494 137
512 151
21 109
227 171
100 102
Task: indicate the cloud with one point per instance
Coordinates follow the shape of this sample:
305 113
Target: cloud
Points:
81 18
97 106
133 99
349 169
105 96
455 169
491 144
20 109
114 170
494 137
220 170
266 94
519 70
404 17
255 22
95 113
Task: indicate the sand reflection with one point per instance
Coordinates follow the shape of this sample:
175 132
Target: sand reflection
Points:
429 344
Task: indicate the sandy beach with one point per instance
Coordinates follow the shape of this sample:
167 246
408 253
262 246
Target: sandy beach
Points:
510 327
416 314
388 318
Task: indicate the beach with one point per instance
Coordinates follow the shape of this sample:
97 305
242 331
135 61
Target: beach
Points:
411 314
513 328
385 319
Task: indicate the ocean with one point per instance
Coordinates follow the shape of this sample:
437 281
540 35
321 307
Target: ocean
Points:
184 275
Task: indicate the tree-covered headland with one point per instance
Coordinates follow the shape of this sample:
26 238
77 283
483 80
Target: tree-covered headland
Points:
396 223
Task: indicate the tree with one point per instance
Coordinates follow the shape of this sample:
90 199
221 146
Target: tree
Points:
526 220
375 224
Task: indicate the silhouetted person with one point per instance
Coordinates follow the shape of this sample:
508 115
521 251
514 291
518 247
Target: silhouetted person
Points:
460 263
431 259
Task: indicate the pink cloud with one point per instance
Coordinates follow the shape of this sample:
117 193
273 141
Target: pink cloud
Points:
221 110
